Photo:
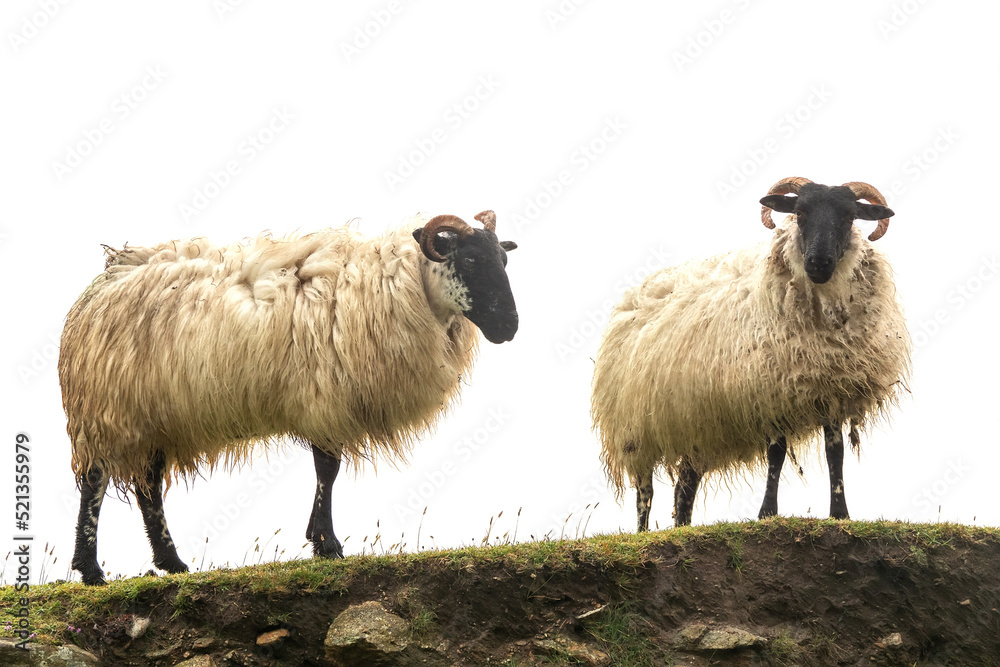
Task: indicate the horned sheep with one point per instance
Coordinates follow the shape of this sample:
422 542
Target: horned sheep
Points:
720 364
185 355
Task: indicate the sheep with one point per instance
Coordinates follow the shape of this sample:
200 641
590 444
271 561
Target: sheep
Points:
720 364
183 356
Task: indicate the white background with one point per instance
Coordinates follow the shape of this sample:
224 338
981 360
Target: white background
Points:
666 121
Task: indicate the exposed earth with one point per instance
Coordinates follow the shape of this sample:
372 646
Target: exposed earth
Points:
776 592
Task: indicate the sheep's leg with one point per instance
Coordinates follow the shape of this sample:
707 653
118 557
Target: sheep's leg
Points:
684 492
92 488
776 451
834 437
150 499
320 529
644 499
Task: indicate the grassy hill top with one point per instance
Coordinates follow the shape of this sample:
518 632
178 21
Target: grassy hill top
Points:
803 592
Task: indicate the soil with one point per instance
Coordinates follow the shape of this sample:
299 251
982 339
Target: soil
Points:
817 597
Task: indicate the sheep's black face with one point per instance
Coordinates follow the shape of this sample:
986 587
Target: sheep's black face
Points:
478 263
825 216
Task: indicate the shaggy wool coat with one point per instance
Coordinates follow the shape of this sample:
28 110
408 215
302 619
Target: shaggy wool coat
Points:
711 359
203 351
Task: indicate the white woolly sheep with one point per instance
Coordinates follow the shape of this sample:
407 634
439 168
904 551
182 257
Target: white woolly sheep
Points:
186 355
722 363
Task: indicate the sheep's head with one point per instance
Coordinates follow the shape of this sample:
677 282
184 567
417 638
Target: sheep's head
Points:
473 263
825 215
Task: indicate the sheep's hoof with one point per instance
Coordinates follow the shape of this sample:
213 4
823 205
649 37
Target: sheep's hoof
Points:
328 548
91 575
173 566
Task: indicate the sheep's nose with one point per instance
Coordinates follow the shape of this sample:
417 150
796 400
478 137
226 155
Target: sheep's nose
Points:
820 268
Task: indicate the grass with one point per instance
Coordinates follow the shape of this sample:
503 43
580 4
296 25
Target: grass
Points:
53 606
784 650
626 637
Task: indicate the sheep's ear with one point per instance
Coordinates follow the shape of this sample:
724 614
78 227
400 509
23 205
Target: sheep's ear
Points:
779 203
508 245
444 242
874 212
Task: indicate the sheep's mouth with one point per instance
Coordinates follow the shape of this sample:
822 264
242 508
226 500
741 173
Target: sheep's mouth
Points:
819 277
501 334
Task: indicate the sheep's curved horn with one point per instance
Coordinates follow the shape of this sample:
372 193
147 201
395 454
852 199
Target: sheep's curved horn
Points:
865 191
489 220
436 225
785 186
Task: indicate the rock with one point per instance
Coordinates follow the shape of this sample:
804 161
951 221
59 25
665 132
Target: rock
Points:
366 628
692 633
892 641
11 655
700 637
273 637
203 643
367 634
139 627
893 650
239 657
41 655
583 653
729 638
199 661
163 652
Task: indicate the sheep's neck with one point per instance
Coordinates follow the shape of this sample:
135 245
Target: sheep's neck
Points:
446 295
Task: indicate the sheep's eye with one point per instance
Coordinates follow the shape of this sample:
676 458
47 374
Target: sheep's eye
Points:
467 263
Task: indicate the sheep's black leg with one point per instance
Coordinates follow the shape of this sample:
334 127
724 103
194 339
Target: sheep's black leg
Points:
776 451
644 499
92 488
684 492
320 529
834 437
150 499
